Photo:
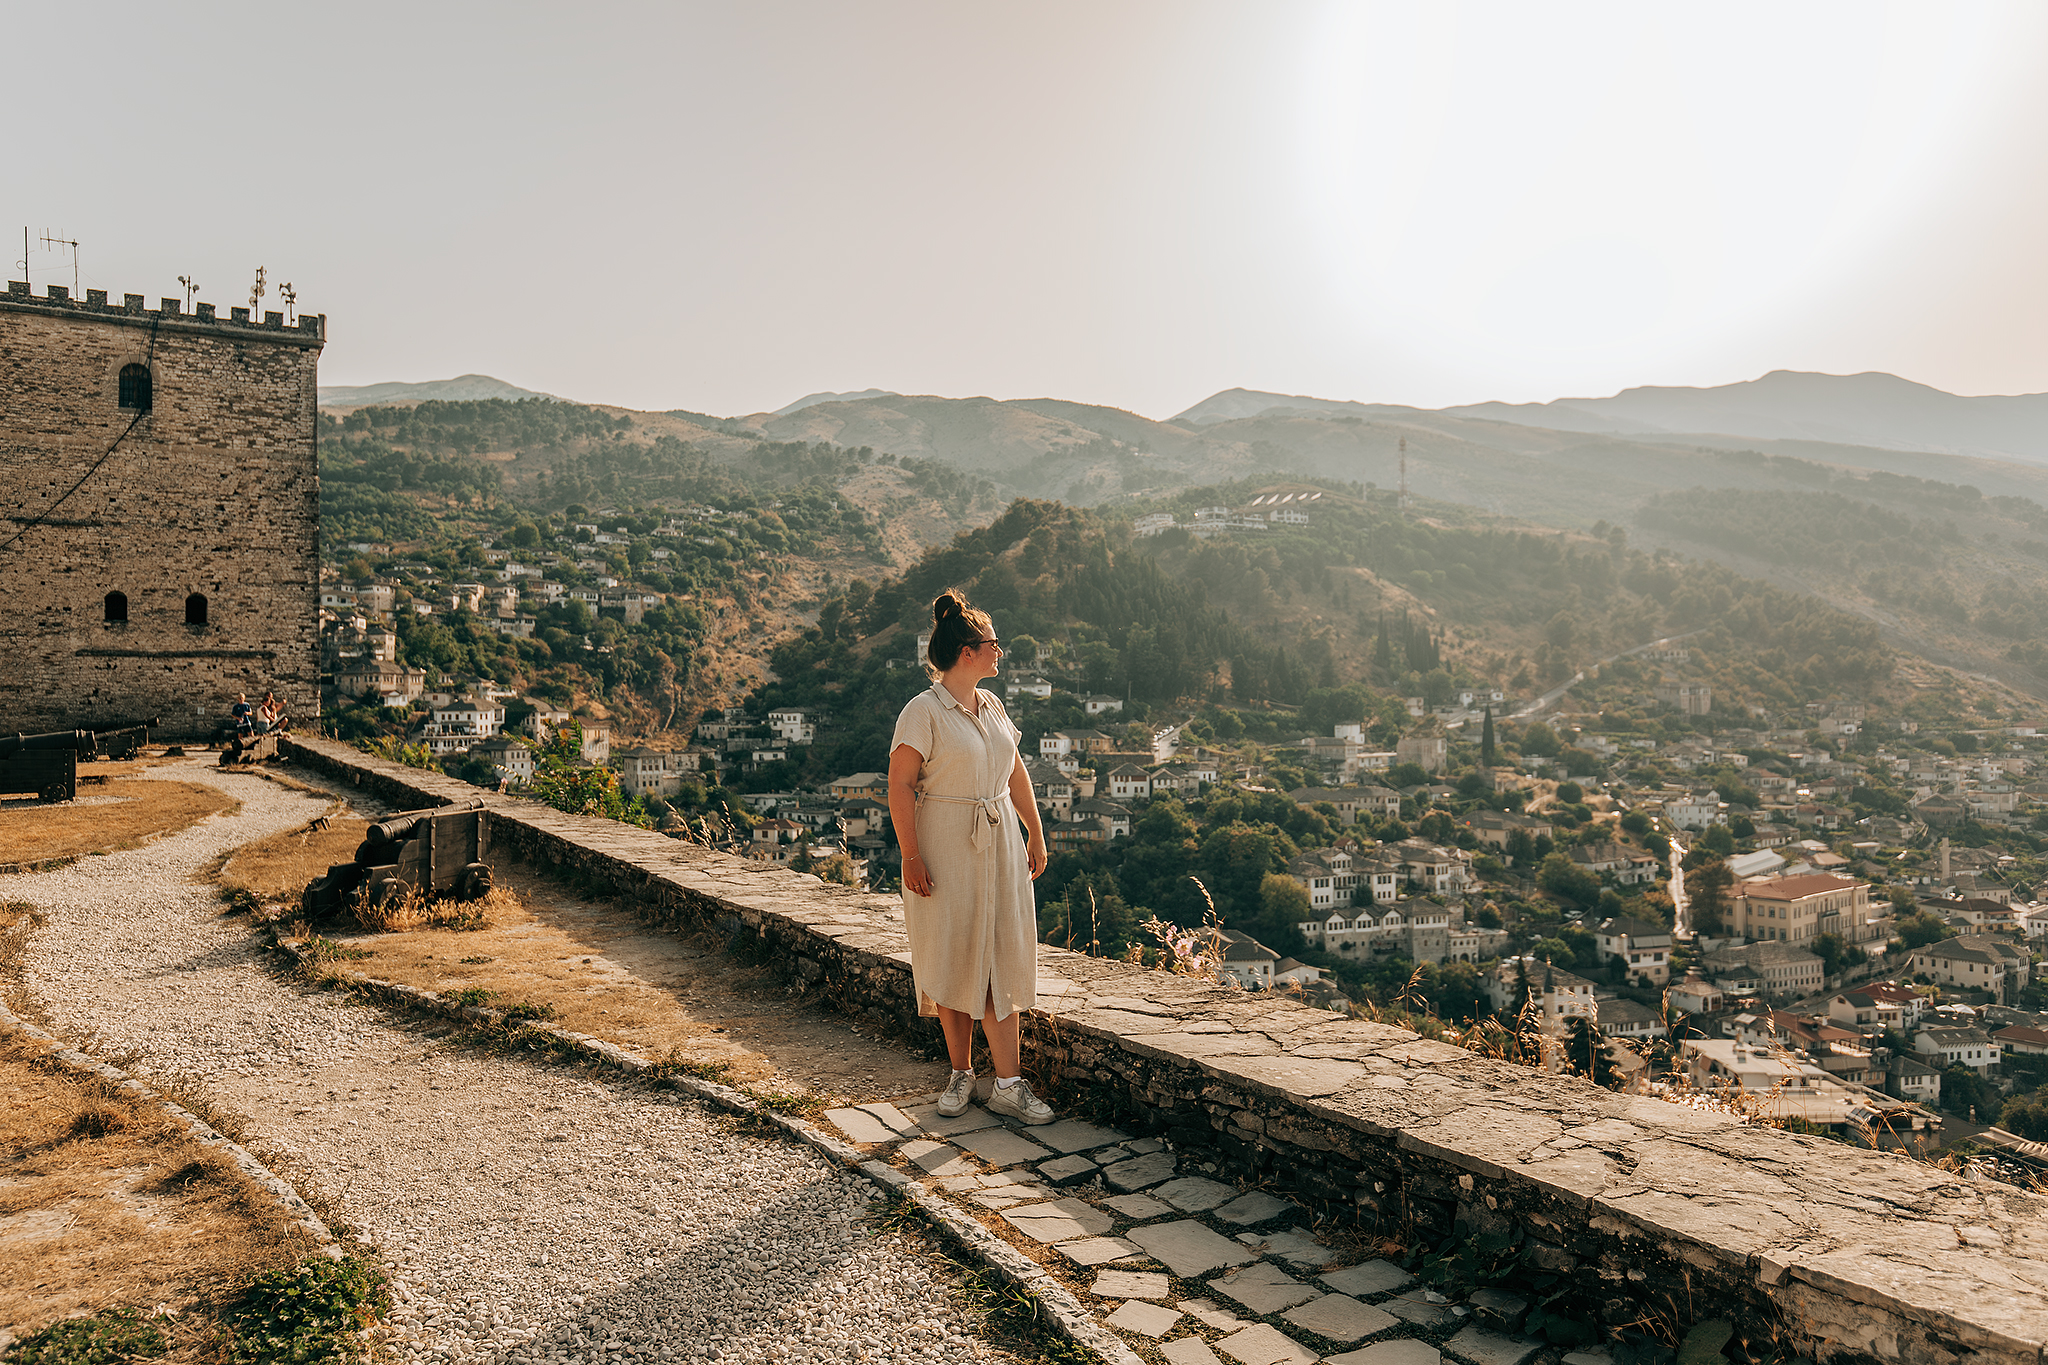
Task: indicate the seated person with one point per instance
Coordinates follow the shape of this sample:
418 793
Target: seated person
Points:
266 714
243 715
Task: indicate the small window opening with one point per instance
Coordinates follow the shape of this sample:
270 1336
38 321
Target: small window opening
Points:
117 606
136 392
195 609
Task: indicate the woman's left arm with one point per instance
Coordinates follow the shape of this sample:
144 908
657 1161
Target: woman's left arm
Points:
1026 802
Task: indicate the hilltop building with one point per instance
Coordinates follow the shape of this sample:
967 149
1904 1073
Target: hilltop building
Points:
184 566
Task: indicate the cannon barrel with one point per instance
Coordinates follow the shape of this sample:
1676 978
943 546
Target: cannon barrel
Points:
140 727
397 829
77 741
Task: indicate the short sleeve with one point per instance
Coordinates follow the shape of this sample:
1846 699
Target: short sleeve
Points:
1016 735
915 726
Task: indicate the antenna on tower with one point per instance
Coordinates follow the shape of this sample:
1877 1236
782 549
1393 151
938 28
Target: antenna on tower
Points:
1404 474
53 243
191 288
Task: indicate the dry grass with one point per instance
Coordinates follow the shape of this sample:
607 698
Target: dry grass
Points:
107 1201
279 866
413 911
658 993
144 810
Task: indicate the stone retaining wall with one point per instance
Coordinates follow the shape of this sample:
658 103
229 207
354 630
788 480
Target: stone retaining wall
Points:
1639 1208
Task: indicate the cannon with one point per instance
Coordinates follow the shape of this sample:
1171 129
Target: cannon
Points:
46 765
124 741
438 851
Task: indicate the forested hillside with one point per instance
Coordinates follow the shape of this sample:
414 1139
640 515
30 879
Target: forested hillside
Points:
1952 573
1360 607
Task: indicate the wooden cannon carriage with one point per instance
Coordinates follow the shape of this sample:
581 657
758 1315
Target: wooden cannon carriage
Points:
45 765
437 852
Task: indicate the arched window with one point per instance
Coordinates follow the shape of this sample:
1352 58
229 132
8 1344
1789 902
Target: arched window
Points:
117 606
136 392
195 609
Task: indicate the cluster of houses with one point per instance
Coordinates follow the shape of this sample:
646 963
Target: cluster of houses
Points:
1263 513
359 649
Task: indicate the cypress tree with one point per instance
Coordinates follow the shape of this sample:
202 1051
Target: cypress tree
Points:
1486 754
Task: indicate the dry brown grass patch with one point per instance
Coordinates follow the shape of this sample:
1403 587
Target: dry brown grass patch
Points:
107 1201
146 810
278 866
415 910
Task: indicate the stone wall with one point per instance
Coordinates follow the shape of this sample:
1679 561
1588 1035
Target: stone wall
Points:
1643 1210
214 491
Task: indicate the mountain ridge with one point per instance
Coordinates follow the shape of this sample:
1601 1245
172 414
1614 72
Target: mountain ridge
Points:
1870 408
464 388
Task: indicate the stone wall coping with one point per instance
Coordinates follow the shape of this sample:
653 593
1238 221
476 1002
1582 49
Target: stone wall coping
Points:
309 334
1673 1211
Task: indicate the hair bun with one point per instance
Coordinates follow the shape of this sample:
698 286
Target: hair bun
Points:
946 605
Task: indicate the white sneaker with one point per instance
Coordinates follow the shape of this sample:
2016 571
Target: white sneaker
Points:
959 1094
1019 1103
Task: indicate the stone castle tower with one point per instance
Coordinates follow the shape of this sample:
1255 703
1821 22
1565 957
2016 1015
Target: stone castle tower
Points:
159 512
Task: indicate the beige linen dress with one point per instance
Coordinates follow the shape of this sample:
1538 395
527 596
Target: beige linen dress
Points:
976 936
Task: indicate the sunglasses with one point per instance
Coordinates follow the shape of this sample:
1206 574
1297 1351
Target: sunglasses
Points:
976 644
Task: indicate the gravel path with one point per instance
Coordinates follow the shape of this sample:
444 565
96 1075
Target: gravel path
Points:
533 1214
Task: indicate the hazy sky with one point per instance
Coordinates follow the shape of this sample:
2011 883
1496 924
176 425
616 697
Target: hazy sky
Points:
723 207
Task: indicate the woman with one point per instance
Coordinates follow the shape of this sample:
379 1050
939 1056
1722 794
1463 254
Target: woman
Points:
957 788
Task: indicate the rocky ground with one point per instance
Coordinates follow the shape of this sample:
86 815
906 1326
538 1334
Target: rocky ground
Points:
530 1212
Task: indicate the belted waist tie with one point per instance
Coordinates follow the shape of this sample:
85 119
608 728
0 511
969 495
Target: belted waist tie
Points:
979 832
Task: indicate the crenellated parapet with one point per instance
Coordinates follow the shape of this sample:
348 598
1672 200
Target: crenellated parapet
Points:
310 327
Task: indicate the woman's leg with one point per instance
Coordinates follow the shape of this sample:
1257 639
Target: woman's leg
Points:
1004 1038
959 1029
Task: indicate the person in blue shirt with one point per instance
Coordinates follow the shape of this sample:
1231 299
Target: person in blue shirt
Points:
244 716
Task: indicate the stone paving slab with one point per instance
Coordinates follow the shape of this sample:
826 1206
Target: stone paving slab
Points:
1210 1313
1130 1284
928 1118
1187 1248
1420 1311
1340 1317
1001 1147
937 1158
1290 1246
1261 1344
891 1117
1374 1277
1074 1135
1065 1170
1194 1193
1145 1319
1264 1288
1255 1207
1482 1346
862 1127
1097 1250
1137 1206
1005 1199
1498 1308
1139 1172
1059 1220
1406 1351
1188 1351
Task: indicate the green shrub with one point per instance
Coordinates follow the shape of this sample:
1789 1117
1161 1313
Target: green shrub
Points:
312 1313
108 1336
